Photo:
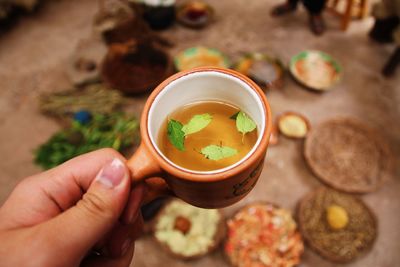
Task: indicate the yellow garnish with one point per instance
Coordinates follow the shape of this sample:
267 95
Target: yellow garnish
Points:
337 217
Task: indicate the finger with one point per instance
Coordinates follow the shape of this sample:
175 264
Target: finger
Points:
132 208
122 235
101 261
43 196
128 217
67 183
79 228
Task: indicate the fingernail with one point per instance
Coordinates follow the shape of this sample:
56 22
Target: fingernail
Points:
125 246
112 174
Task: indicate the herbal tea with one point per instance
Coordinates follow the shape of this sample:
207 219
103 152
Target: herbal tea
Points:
206 136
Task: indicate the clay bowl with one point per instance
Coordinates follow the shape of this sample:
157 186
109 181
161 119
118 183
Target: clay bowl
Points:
135 68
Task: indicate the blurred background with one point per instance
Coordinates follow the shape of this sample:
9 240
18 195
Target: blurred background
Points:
59 60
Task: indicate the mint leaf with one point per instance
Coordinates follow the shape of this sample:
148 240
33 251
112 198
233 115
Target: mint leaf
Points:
234 116
197 123
244 123
214 152
175 134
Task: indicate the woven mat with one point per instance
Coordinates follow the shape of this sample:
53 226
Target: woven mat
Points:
348 156
338 245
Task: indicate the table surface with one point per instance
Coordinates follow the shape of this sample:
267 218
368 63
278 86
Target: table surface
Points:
33 56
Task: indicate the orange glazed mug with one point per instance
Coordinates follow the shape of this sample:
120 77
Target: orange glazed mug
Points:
205 189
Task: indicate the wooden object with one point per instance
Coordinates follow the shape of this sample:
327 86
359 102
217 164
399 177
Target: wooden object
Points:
360 6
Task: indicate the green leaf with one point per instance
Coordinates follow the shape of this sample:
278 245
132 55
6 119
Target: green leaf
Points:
244 123
214 152
197 123
234 116
175 134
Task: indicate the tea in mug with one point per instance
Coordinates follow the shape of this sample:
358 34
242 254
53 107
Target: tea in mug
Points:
207 135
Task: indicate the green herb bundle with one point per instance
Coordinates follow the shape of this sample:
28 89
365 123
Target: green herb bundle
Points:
115 130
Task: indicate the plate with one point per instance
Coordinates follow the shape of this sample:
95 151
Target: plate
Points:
200 56
266 71
262 234
347 155
315 70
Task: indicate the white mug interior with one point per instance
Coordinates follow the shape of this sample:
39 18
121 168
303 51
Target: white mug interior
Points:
205 86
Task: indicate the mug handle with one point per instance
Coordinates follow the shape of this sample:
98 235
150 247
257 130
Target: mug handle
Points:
145 169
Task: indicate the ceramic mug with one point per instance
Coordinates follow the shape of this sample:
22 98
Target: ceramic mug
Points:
205 189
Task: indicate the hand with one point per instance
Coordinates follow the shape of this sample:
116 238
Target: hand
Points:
58 217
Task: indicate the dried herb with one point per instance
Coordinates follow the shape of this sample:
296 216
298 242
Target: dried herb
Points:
116 130
96 98
214 152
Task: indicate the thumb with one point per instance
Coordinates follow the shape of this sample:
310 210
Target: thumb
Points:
78 229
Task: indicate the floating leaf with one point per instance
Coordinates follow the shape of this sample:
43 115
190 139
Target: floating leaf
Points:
197 123
244 123
175 134
214 152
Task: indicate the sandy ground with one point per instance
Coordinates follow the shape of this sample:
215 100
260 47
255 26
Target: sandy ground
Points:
33 55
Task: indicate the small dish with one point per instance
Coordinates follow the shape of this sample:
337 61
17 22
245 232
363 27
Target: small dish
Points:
315 70
293 125
263 69
200 56
195 14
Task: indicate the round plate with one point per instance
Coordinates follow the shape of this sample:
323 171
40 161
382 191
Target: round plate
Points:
348 156
337 245
315 70
264 70
262 234
188 232
200 56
